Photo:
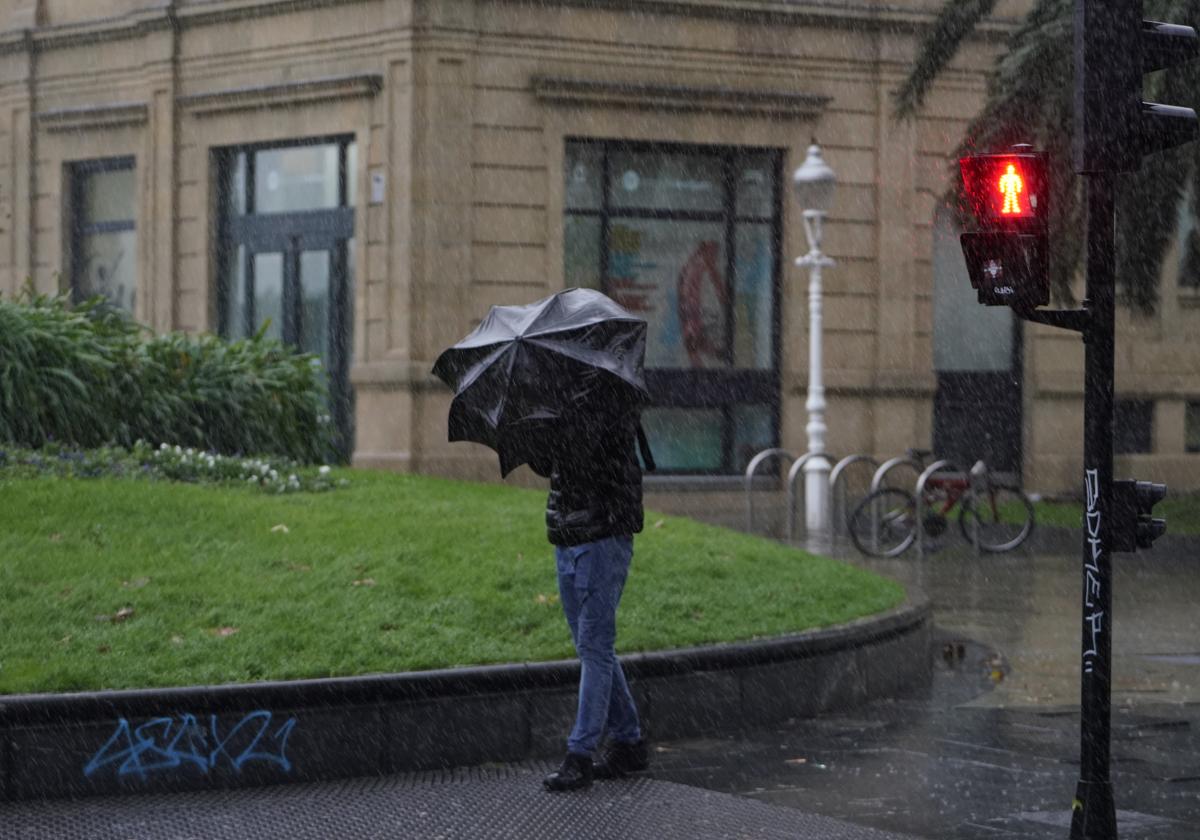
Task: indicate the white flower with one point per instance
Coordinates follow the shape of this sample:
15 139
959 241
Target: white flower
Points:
212 462
163 447
178 450
263 469
324 470
274 475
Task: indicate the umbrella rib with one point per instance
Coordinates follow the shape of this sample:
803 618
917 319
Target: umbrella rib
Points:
566 349
481 367
512 361
549 331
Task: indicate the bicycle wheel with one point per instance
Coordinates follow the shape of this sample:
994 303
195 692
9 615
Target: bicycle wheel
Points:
884 523
1003 517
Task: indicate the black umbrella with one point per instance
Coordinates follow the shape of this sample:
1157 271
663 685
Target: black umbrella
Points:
528 372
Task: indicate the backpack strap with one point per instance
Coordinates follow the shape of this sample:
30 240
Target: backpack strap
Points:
644 446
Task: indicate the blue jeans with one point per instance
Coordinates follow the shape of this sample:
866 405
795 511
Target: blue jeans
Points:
590 579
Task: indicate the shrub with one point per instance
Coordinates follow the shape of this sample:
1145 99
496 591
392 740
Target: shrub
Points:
88 376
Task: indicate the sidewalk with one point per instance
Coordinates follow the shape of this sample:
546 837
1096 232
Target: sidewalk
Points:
500 802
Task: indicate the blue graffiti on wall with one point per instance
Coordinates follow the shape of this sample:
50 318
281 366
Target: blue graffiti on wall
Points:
164 743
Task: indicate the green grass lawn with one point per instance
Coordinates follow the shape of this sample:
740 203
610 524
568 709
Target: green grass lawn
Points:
112 583
1181 510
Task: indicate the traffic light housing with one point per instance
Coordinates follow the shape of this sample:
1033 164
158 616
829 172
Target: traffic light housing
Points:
1114 48
1133 503
1007 257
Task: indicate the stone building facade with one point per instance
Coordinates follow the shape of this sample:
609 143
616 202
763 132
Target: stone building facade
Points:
371 175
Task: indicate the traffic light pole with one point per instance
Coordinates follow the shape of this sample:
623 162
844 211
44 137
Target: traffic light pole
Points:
1093 814
1114 129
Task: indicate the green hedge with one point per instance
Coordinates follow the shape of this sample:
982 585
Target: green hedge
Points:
88 376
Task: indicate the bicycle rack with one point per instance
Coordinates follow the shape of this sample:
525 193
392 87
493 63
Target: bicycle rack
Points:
750 470
935 467
793 472
877 482
887 467
837 491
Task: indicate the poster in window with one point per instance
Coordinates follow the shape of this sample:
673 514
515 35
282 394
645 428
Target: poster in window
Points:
672 273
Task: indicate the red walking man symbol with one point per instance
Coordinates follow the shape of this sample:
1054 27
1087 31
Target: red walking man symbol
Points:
1011 184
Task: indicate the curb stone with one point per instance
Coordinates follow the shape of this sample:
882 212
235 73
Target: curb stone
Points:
203 737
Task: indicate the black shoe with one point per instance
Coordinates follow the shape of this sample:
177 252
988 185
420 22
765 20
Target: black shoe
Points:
574 774
620 758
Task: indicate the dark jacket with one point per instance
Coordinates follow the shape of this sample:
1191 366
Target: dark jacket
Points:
595 483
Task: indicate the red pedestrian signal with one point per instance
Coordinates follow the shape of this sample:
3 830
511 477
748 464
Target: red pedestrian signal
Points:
1011 185
1003 188
1006 255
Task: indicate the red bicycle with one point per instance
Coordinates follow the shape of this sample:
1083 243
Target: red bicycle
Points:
996 516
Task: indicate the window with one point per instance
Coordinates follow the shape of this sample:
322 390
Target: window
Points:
1191 427
1189 240
688 238
1133 422
285 252
103 237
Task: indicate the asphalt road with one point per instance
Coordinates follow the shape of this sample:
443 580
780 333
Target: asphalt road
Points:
992 751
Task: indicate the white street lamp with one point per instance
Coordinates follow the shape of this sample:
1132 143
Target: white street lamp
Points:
813 184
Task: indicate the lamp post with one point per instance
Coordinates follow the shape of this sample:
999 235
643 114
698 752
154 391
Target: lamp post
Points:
813 185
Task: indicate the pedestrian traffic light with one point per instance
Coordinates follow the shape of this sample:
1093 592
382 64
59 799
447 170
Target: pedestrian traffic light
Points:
1114 48
1133 525
1007 256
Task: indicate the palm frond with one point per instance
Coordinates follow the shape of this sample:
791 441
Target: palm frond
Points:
956 20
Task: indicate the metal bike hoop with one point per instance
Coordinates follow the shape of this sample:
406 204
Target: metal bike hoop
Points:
935 467
750 470
887 467
794 471
837 490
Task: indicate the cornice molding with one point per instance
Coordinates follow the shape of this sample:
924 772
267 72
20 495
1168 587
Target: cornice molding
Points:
281 95
841 14
112 115
562 90
169 14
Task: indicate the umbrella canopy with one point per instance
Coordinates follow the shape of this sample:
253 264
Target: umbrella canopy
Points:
527 372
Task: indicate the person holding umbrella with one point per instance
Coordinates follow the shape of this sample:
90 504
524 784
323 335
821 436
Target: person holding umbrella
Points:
559 384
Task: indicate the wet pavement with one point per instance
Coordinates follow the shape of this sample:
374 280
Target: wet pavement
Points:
992 751
500 802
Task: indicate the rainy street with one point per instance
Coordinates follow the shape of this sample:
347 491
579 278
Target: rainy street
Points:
993 751
410 410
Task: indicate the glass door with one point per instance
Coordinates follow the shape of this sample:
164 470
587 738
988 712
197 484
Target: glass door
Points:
286 245
295 287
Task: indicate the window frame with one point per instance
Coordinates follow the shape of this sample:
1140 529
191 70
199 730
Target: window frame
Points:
724 388
250 228
266 232
77 175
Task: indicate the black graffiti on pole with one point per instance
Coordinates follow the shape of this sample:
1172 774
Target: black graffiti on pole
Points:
1093 620
165 743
